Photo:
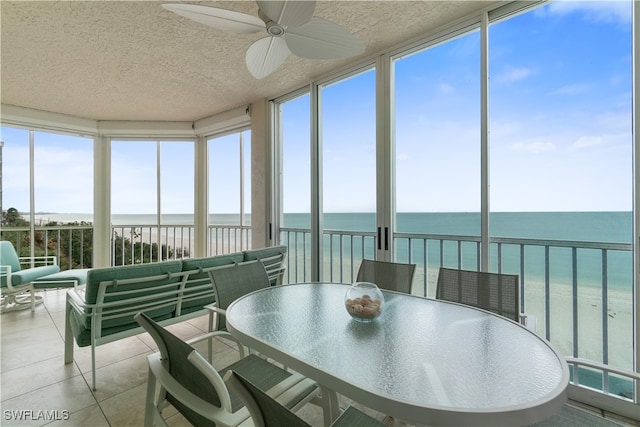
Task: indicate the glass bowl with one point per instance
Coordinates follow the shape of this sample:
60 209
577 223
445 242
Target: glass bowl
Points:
364 301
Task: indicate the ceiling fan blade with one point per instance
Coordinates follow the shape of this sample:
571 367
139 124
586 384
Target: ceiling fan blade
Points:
265 55
222 19
321 39
288 13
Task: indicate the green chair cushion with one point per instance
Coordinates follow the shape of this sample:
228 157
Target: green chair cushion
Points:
8 256
30 274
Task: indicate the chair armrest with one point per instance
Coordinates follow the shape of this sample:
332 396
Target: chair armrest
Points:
214 378
75 299
204 408
218 334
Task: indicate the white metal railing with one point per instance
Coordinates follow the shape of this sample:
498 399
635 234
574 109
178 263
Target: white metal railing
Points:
130 244
145 243
343 251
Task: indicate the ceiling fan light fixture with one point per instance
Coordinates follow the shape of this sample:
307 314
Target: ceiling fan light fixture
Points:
274 29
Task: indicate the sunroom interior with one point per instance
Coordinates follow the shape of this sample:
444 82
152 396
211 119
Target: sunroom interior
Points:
138 91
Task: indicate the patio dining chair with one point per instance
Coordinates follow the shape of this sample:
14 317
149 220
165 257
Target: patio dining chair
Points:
391 276
16 287
267 412
230 282
204 400
494 292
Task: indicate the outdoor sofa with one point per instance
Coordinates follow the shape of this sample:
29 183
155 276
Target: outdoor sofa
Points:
102 310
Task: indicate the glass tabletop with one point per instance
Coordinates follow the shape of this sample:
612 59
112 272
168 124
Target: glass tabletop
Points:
419 358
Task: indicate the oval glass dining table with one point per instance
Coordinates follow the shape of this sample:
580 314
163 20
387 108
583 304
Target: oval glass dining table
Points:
422 361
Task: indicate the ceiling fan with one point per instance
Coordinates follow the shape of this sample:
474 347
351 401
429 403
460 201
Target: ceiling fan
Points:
291 28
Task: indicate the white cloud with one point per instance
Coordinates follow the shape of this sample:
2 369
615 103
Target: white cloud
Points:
514 74
446 88
573 89
594 11
534 147
585 142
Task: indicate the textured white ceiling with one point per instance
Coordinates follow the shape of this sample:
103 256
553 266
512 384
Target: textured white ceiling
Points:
134 60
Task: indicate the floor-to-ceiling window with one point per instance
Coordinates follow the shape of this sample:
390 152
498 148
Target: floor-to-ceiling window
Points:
47 179
342 156
561 169
152 200
294 157
230 192
347 129
437 156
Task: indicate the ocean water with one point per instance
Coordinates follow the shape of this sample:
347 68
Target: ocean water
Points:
613 227
608 227
602 227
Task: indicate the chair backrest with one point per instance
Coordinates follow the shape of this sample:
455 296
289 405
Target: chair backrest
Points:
264 410
232 282
9 256
391 276
498 293
196 281
174 354
272 258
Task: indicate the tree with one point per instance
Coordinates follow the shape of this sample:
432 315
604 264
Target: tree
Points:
12 218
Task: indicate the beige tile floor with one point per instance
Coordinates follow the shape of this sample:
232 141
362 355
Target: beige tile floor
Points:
35 382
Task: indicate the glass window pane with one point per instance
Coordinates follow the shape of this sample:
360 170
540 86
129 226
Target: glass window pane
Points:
348 129
295 116
15 173
134 182
224 179
230 191
295 180
437 156
177 182
561 169
63 166
246 142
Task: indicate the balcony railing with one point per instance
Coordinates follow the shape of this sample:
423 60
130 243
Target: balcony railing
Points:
585 281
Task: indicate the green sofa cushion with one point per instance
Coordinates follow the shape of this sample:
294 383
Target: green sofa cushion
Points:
272 266
212 261
200 278
82 333
147 288
97 275
261 253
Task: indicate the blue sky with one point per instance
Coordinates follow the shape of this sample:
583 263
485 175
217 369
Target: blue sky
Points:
560 123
